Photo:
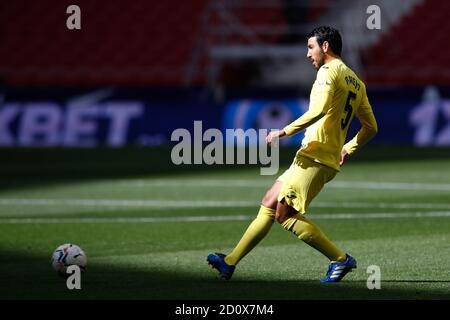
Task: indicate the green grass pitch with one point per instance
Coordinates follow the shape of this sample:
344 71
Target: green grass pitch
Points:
147 229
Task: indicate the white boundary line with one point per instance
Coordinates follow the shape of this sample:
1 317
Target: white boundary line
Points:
389 185
125 203
204 203
337 216
236 183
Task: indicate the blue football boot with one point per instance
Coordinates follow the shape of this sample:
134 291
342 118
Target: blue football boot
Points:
217 261
337 270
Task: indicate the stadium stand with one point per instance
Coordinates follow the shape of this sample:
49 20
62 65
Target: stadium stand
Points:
189 43
412 52
117 45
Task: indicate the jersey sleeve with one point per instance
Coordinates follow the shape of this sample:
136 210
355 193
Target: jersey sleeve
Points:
368 129
320 101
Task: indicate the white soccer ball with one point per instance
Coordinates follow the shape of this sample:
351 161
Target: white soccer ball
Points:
66 255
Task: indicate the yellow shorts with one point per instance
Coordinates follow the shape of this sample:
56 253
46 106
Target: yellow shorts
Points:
303 181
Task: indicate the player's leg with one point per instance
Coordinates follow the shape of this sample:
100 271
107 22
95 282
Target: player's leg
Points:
255 232
259 227
308 232
305 182
340 262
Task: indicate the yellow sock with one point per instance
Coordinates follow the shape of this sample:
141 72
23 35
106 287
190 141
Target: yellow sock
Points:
255 232
311 234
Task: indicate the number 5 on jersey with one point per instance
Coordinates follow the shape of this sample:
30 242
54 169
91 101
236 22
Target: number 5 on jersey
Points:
348 110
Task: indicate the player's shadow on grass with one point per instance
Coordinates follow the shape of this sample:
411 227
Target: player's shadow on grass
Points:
23 276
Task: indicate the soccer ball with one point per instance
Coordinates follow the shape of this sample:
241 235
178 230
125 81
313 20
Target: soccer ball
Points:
66 255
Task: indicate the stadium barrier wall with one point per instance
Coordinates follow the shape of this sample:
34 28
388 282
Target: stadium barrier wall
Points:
147 117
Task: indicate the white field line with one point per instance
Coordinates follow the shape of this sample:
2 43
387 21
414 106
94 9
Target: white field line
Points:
126 203
140 203
390 185
225 183
337 216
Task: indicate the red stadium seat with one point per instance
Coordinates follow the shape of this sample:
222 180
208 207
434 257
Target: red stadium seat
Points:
413 50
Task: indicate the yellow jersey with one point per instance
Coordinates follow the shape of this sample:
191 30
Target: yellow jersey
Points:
336 97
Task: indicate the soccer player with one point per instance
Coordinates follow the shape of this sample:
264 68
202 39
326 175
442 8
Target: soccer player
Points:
336 96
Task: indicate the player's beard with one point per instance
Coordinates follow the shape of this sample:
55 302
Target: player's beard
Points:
321 59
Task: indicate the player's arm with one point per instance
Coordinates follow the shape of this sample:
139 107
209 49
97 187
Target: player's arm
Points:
369 129
307 119
320 102
298 125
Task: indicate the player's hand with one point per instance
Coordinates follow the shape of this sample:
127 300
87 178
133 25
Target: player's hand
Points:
344 156
274 135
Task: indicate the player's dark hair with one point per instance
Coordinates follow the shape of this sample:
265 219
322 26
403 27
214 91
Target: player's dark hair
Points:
325 33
